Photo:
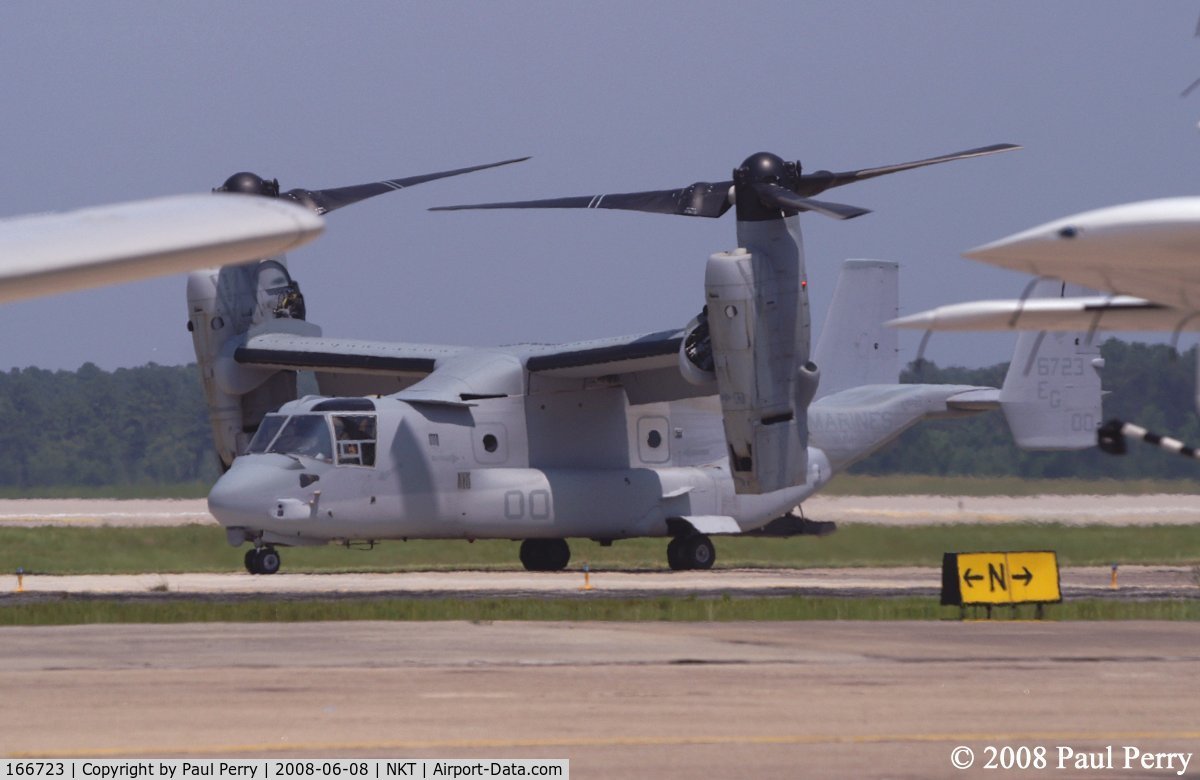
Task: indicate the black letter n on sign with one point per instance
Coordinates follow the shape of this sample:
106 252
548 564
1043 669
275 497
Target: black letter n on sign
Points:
996 578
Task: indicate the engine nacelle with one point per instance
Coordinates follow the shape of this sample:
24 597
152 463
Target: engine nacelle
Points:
225 307
759 349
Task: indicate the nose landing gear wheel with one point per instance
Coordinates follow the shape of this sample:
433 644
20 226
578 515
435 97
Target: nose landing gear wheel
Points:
691 552
262 561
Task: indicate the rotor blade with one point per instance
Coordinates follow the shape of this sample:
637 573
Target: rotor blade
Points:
783 198
701 199
324 201
818 182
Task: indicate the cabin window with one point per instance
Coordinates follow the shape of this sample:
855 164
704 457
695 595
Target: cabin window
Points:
490 443
266 432
305 434
355 435
652 443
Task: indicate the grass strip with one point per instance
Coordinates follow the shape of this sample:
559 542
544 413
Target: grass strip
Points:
73 611
200 548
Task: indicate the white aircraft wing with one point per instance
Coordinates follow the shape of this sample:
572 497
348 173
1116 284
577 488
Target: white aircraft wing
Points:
43 254
1112 313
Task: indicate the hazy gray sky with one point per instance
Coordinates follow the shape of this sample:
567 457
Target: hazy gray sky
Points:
122 100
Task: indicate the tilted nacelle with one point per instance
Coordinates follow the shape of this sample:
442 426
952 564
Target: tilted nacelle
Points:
224 308
751 341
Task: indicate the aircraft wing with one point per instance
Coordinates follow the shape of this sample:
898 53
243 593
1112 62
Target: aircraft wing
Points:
605 357
43 254
646 365
1113 313
315 353
579 360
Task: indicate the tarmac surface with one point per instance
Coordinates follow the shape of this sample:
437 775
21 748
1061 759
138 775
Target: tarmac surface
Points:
1134 582
661 700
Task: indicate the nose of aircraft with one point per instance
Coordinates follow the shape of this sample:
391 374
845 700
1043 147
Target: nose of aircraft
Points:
1168 228
1022 251
245 494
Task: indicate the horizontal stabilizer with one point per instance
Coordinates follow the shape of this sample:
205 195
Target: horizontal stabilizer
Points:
981 399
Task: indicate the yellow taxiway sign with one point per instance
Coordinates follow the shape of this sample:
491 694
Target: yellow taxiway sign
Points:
1000 578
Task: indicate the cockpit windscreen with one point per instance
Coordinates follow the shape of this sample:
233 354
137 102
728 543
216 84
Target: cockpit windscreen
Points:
302 434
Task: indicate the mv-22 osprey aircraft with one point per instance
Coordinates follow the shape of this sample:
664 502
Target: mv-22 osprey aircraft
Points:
722 427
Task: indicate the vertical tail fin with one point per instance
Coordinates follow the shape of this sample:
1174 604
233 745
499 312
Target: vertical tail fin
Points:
1051 395
854 347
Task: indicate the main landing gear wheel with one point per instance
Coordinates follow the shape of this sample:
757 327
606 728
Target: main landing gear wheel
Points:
545 554
674 554
264 560
691 552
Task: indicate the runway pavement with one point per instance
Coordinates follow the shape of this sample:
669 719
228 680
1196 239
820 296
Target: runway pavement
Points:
1142 582
620 700
811 699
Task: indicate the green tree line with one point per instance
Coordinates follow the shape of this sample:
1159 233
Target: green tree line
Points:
148 426
91 428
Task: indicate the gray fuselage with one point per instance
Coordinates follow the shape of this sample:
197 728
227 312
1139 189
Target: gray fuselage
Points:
540 466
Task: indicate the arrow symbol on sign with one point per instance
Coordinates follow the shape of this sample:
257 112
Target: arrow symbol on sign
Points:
1027 576
968 577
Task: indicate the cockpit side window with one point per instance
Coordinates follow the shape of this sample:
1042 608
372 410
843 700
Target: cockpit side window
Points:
305 434
355 434
266 432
